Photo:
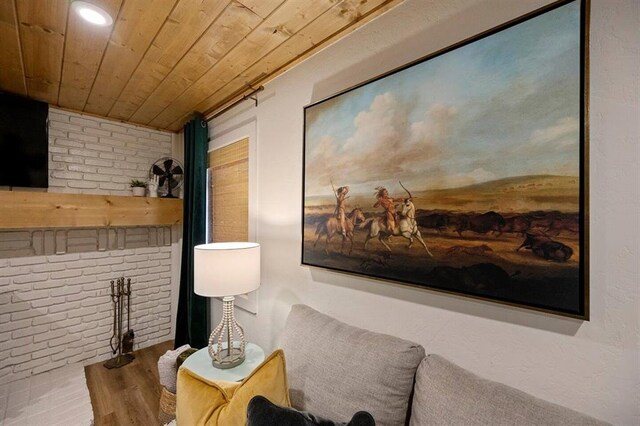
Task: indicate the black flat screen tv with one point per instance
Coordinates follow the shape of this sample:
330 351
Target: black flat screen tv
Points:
24 142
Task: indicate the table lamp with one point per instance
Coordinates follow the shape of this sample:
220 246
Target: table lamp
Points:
226 270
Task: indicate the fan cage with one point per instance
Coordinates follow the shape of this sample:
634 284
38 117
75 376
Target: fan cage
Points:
171 176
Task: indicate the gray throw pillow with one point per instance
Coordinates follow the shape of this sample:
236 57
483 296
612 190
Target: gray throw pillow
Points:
335 369
262 412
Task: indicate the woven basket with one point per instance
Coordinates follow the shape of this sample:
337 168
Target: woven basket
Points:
167 410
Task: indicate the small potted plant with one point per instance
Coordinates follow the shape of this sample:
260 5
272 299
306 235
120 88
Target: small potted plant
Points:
138 187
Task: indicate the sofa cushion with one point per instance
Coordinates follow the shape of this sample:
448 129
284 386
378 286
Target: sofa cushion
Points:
200 402
262 412
446 394
335 369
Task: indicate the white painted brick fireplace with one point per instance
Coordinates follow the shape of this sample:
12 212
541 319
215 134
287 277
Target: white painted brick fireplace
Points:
55 307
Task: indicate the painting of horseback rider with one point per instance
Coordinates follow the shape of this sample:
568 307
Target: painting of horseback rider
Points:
341 205
389 205
447 183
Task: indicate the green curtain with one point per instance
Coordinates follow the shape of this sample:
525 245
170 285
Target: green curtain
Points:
191 322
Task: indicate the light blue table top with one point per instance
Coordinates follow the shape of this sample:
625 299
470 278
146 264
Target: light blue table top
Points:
200 364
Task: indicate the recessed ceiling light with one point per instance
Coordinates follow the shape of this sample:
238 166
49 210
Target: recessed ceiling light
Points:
92 13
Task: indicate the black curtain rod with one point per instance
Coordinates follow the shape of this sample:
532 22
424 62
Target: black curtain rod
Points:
250 95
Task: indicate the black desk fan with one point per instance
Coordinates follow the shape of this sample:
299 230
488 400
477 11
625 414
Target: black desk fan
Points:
170 176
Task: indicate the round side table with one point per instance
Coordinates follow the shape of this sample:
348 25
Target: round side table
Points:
200 364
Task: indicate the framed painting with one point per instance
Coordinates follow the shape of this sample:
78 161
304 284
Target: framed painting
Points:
465 171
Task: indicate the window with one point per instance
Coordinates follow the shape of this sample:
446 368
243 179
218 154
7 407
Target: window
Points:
229 192
232 193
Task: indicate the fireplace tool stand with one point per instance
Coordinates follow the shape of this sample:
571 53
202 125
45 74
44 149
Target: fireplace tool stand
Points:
118 293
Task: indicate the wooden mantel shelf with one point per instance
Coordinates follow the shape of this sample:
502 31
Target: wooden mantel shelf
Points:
20 210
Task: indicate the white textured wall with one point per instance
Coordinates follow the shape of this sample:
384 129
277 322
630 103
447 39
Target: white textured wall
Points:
55 283
591 366
177 152
95 156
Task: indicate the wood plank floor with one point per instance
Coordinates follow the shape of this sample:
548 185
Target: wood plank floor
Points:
129 395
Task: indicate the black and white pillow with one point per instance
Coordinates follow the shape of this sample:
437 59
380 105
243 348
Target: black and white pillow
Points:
262 412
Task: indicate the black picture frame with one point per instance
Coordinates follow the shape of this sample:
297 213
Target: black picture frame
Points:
474 227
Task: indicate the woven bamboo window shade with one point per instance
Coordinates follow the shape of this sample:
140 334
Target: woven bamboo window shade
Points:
230 191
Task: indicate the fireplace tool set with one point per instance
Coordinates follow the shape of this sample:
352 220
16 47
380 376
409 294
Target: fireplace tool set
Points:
121 343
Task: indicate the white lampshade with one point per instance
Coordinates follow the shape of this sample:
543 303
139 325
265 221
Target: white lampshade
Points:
226 269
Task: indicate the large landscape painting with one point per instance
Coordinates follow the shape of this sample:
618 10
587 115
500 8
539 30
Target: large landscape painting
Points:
462 172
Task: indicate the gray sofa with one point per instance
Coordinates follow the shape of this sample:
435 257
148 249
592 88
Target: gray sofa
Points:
335 370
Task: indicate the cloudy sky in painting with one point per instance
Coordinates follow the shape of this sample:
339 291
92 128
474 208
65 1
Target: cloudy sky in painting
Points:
507 105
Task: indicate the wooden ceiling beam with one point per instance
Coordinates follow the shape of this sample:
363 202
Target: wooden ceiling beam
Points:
164 59
12 77
229 29
85 45
262 8
185 26
290 53
286 21
137 25
42 26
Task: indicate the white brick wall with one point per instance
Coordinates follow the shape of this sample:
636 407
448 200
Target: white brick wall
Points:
55 307
91 155
56 310
38 242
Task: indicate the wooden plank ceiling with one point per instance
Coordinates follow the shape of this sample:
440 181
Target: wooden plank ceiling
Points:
163 60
